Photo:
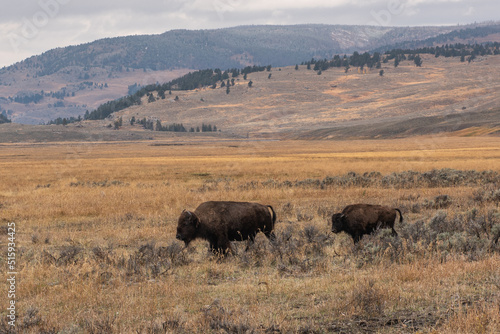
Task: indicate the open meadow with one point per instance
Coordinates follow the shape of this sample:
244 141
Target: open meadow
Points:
96 250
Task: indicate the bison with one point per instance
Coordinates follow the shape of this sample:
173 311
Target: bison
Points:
220 222
359 219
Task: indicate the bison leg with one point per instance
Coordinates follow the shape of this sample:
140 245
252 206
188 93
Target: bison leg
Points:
223 247
270 235
357 238
250 241
213 248
394 233
216 249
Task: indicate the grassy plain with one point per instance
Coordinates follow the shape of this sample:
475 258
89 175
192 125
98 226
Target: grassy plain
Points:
96 248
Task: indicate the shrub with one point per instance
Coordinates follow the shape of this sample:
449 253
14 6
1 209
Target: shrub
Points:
367 299
218 318
440 223
150 260
68 255
439 202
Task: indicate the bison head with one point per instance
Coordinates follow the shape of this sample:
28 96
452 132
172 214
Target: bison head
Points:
338 222
187 227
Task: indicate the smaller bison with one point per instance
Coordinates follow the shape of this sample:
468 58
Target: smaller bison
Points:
220 222
359 219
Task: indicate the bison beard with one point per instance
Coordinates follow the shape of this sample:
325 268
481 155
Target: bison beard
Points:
220 222
360 219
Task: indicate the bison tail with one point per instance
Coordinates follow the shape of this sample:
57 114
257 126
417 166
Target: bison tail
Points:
274 214
400 215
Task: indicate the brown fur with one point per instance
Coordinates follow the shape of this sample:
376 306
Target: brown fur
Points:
360 219
220 222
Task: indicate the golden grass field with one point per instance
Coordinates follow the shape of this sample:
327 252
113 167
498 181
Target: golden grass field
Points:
96 248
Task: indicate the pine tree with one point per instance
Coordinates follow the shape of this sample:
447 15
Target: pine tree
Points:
250 83
418 61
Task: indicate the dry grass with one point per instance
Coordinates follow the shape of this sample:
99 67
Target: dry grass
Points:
97 250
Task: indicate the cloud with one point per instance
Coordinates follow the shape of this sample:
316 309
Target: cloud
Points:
469 11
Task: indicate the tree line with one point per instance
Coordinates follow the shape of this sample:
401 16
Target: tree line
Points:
156 125
190 81
451 50
465 51
467 34
64 121
37 97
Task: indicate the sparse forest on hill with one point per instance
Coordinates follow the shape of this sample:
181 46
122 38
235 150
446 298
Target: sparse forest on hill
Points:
465 36
205 78
190 81
445 94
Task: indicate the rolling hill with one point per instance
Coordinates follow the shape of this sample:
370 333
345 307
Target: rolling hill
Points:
290 102
444 95
68 81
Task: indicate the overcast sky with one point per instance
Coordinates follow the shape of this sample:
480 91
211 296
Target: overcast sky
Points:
30 27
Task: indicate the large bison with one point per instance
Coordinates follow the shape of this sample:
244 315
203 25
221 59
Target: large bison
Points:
359 219
220 222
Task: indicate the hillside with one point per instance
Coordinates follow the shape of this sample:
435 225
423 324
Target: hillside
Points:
444 95
66 82
291 102
469 35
